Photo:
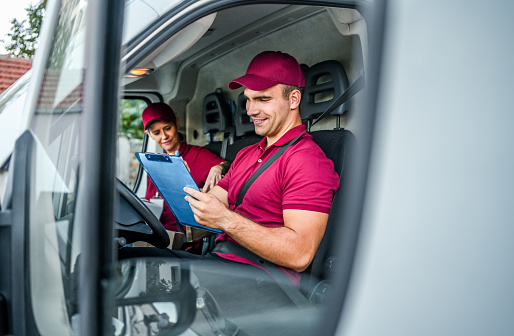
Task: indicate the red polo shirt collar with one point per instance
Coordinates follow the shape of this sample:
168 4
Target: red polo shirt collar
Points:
183 149
290 135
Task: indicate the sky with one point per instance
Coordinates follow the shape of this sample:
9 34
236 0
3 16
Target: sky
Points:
11 9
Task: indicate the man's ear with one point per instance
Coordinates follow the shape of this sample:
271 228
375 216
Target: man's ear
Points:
294 98
148 133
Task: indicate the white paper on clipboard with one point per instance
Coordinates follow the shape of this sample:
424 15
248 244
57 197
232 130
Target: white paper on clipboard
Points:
156 205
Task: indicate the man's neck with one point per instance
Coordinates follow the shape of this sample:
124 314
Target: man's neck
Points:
271 140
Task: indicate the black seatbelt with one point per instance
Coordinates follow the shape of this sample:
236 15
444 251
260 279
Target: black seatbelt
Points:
227 140
262 168
276 273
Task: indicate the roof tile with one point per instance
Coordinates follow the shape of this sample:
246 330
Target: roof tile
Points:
12 68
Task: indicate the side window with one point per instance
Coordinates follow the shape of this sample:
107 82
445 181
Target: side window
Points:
130 139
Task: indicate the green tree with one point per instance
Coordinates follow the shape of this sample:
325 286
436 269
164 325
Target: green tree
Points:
24 34
131 123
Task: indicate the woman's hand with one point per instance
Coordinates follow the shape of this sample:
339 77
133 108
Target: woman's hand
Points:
187 166
215 174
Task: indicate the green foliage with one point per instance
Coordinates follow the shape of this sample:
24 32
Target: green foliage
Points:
24 35
130 117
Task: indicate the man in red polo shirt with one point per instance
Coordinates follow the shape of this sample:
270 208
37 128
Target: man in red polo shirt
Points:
284 213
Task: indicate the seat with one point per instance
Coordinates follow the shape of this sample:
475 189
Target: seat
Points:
337 146
217 117
245 130
325 82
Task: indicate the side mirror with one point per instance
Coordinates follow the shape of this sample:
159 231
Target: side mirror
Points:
154 295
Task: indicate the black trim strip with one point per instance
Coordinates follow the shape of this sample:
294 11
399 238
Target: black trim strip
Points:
96 197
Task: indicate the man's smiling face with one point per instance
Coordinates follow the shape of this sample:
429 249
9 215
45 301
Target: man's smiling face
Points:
270 111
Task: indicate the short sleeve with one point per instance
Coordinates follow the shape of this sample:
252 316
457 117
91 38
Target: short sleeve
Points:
310 181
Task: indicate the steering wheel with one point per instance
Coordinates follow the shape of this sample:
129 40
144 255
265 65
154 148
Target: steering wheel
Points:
136 222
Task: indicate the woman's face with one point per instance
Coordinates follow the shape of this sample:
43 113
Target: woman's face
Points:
165 134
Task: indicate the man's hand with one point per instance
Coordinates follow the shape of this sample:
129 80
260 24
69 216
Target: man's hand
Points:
214 176
208 209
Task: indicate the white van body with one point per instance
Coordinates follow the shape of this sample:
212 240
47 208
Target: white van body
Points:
423 237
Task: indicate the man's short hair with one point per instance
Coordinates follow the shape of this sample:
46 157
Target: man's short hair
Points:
287 89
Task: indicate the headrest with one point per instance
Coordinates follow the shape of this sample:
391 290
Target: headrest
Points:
324 82
216 113
244 124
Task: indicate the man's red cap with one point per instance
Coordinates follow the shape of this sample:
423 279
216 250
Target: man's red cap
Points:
158 111
268 69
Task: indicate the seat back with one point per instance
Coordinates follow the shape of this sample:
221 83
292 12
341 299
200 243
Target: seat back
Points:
245 130
216 117
325 82
338 146
243 123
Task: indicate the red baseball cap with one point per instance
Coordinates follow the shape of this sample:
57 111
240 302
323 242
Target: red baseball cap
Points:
158 111
268 69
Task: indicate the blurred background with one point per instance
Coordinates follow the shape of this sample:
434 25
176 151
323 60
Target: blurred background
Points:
20 23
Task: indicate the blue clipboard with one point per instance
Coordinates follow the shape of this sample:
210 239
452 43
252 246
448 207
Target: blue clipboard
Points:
170 175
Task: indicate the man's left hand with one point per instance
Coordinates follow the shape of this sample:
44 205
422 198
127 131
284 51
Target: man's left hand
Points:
208 209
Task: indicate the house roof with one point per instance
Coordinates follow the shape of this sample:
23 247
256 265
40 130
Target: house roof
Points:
12 68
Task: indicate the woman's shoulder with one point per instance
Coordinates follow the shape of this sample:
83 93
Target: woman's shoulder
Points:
197 151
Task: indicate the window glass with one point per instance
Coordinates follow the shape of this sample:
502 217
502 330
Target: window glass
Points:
56 127
130 139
